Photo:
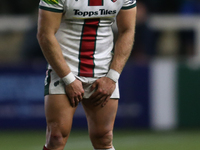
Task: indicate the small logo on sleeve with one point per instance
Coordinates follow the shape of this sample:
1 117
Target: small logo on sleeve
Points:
56 83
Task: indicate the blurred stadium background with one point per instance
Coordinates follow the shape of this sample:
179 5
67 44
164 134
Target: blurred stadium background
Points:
160 99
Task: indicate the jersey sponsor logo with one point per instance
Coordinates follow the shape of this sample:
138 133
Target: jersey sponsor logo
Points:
85 13
78 12
107 12
51 1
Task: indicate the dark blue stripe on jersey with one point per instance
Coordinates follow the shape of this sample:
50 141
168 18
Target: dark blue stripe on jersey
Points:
129 7
47 82
51 9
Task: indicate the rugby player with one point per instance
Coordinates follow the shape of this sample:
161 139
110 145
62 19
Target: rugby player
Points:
84 65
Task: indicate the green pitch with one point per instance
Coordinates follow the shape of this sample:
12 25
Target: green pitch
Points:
123 140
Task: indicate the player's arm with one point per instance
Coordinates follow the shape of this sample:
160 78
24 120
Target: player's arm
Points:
126 30
48 24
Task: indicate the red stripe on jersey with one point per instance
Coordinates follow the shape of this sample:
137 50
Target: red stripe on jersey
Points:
87 48
95 2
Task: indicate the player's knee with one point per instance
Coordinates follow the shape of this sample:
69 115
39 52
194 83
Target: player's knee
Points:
56 138
102 139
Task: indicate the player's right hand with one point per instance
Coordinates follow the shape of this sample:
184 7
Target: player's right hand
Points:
74 92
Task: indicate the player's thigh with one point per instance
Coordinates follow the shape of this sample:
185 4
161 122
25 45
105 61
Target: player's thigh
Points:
59 113
100 119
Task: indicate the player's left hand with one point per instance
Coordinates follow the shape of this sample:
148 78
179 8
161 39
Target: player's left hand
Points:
104 88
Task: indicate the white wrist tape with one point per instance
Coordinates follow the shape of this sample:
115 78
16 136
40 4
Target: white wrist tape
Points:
114 75
68 78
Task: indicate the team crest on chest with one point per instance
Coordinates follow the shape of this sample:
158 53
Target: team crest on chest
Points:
113 1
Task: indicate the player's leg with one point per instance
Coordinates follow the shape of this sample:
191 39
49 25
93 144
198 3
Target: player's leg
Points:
101 123
59 116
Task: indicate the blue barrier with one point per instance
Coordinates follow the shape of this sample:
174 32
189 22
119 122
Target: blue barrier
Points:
21 98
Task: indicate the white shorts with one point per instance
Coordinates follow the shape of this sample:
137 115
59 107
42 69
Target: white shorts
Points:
54 85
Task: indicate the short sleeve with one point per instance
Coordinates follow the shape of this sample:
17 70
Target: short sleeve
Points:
128 4
52 5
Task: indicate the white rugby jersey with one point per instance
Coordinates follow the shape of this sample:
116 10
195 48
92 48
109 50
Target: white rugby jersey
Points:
85 34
